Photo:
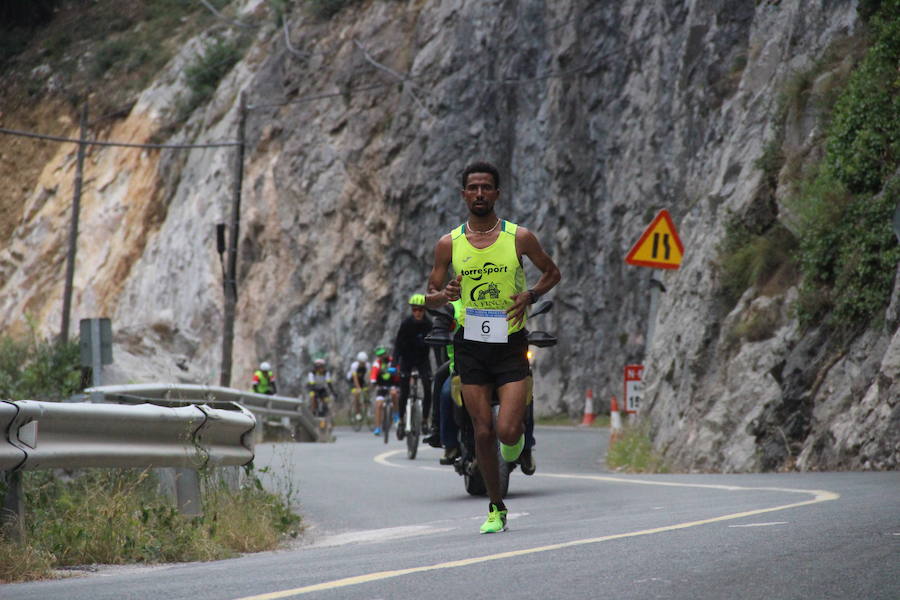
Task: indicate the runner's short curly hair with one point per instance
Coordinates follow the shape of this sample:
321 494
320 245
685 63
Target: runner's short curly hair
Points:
481 167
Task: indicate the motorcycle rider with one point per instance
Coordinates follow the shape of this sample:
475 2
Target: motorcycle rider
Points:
491 344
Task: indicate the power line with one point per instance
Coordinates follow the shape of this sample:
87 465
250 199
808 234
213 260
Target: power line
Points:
56 138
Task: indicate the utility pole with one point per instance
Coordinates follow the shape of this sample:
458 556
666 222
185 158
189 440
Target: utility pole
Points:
230 281
73 227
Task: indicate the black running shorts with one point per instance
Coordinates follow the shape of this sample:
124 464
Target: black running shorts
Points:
481 363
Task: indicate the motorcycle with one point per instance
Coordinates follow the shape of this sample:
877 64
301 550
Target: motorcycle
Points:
466 464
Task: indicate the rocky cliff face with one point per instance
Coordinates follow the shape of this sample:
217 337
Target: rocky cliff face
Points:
598 114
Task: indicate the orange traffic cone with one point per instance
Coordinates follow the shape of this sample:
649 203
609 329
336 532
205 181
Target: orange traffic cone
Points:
589 415
615 421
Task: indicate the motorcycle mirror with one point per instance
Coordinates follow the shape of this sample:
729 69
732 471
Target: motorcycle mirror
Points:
541 339
541 307
439 338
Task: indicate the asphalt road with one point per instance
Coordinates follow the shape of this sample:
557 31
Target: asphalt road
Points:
381 526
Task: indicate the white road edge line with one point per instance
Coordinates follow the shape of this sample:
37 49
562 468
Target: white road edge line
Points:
818 496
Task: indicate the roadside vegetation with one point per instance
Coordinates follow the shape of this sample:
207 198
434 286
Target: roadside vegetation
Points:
118 516
633 452
37 369
833 233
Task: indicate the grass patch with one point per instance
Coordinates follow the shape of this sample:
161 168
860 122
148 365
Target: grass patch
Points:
118 516
633 452
748 258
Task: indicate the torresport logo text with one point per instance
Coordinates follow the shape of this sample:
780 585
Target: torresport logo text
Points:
487 269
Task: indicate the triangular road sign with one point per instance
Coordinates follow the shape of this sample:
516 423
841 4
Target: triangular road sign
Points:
659 246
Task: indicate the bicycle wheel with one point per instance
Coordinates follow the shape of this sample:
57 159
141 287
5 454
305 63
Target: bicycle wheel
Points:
368 419
355 422
412 436
386 420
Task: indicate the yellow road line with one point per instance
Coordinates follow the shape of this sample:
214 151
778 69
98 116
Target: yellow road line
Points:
818 496
382 459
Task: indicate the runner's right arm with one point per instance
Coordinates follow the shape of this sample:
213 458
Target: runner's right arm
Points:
439 294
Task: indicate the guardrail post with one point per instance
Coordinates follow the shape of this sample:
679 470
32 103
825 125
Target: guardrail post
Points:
13 515
187 492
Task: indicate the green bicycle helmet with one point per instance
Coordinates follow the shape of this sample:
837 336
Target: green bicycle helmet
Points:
380 351
417 300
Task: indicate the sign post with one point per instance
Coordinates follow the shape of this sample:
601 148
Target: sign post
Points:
95 344
634 388
659 247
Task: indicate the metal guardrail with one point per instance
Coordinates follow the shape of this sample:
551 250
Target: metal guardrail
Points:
178 394
43 435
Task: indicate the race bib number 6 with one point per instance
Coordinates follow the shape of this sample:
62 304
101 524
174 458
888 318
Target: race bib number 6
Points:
485 326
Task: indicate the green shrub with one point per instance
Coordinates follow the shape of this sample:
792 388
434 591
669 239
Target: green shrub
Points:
864 138
204 75
848 253
38 369
111 53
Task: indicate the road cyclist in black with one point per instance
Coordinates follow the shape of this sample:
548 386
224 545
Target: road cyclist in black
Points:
412 352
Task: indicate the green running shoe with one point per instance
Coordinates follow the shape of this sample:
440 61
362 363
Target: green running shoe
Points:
511 453
496 520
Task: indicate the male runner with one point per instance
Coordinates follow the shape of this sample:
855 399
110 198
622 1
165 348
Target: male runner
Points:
490 346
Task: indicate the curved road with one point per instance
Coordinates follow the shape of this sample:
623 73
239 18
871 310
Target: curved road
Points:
381 526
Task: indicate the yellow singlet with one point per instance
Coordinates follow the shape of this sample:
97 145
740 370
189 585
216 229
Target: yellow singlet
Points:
490 275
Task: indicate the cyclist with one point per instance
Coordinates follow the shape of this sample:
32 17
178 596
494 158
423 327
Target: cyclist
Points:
320 386
359 381
490 345
413 353
264 380
384 379
448 427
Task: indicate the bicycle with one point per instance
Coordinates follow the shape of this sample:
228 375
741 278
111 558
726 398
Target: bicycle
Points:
324 419
362 416
383 395
413 416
